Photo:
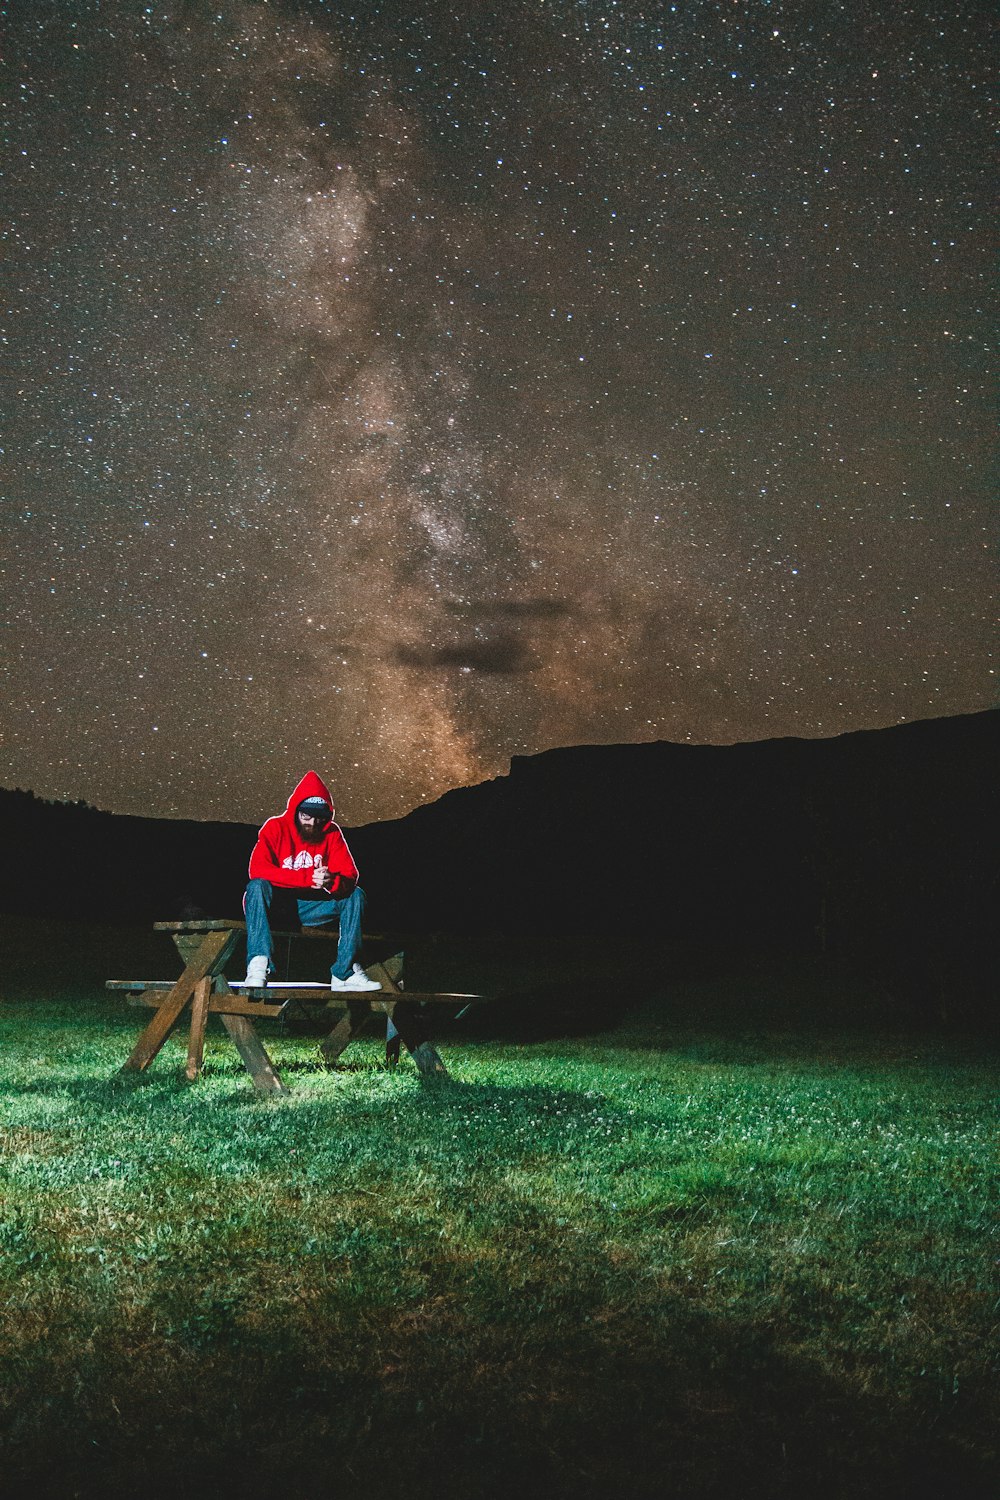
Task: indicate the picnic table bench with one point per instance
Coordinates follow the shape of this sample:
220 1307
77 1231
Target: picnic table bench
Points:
205 947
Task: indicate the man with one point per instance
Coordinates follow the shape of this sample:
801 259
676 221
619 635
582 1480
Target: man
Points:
304 851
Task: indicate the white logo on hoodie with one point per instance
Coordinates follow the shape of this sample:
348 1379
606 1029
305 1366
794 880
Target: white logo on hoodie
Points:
302 861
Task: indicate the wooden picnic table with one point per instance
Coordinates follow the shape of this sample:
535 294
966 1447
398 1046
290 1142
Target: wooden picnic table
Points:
205 947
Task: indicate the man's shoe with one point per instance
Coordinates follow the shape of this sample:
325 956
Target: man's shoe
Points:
359 969
256 973
354 982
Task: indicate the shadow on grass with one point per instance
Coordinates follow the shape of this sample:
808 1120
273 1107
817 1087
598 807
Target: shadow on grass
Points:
542 1364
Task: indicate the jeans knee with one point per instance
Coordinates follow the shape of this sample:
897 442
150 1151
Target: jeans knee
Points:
257 890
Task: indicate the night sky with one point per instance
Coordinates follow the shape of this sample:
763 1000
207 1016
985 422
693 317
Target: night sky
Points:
397 391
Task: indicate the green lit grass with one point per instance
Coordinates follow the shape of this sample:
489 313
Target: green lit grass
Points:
675 1258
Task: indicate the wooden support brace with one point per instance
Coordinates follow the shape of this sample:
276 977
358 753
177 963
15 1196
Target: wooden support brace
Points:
212 953
218 1004
199 1015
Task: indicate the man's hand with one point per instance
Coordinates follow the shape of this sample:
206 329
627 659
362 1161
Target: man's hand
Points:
321 877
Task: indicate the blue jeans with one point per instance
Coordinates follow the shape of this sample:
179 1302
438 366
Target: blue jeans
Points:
314 911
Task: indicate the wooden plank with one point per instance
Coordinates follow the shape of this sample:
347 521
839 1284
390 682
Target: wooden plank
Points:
319 995
199 1015
223 924
231 1006
255 1059
314 995
139 984
213 951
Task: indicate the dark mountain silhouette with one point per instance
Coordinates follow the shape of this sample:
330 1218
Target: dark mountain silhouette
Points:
876 846
68 858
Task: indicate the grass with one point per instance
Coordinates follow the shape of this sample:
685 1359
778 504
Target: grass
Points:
706 1253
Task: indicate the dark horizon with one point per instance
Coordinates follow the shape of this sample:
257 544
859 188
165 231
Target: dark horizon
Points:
552 750
874 850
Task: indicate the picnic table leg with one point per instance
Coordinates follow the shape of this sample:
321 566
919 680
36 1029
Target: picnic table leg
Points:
412 1030
391 1043
212 953
356 1019
199 1015
255 1059
406 1024
266 1078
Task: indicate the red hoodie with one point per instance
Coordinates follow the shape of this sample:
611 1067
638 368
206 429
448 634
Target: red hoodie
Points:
282 856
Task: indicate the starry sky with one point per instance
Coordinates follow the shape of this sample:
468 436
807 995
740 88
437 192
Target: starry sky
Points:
395 389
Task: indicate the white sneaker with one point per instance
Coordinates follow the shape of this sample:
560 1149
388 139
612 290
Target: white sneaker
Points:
354 982
256 972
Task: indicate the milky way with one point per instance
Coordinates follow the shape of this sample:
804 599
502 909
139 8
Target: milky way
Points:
394 393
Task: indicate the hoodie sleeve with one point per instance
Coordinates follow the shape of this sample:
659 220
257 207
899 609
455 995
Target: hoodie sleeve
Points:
265 861
342 867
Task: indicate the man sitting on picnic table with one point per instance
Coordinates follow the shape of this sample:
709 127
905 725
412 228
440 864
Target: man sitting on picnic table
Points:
304 851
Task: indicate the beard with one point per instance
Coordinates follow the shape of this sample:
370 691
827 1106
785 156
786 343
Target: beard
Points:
314 835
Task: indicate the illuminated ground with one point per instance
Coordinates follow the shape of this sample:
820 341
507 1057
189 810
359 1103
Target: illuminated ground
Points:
681 1257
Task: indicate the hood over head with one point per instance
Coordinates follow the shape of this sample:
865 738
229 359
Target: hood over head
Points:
311 785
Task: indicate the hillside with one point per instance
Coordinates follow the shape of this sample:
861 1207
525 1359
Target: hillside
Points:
877 845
